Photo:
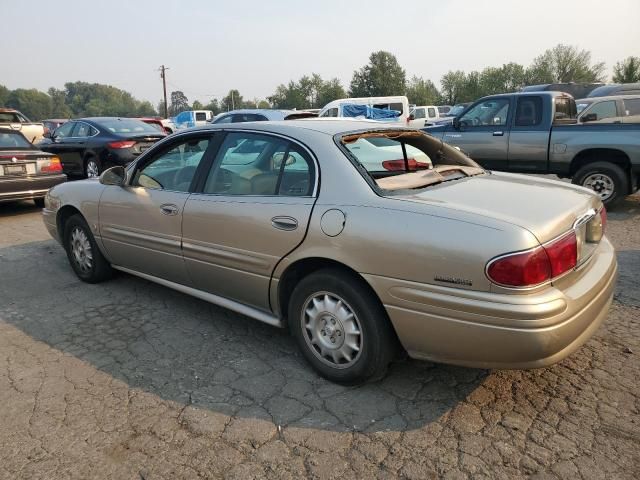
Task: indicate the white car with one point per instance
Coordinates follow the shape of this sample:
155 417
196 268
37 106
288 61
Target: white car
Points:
344 106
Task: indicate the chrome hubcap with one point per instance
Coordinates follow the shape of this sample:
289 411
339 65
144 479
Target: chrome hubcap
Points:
601 184
81 250
331 329
92 169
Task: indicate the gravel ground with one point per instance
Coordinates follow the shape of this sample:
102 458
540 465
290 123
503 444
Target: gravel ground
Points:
130 380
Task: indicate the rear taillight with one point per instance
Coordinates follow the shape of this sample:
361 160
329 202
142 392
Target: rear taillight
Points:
536 266
399 165
521 269
52 166
122 144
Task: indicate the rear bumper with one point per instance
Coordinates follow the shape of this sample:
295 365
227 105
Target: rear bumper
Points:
488 330
26 188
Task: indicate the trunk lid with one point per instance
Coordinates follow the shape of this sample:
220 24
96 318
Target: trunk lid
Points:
547 208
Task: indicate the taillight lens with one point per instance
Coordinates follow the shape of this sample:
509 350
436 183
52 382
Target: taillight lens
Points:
53 166
563 254
399 165
521 269
122 144
536 266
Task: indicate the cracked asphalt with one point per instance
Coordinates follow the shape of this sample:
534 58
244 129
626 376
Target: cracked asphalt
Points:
130 380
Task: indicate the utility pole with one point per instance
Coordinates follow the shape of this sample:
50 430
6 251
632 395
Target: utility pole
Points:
164 88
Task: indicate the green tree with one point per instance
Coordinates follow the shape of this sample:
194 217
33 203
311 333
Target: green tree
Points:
382 76
263 104
196 105
59 108
232 101
422 92
453 84
161 108
145 109
4 94
565 63
329 91
510 77
33 103
214 106
179 103
626 71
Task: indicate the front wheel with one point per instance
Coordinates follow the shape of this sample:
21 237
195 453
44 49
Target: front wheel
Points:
341 328
607 180
85 257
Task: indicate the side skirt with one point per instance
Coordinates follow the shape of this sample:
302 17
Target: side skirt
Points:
211 298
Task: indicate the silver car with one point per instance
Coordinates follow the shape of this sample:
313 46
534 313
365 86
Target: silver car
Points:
291 223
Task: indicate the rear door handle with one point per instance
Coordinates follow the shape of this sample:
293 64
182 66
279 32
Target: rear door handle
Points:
499 133
169 209
284 223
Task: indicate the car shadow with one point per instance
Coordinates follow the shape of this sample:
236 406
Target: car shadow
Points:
191 352
12 209
627 209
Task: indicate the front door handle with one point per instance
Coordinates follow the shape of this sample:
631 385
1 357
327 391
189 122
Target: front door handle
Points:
284 223
169 209
499 133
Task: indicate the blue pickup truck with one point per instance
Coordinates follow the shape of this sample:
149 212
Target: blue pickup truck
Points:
537 132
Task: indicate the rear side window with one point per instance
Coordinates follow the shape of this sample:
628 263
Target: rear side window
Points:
332 112
565 109
201 117
632 106
432 112
255 164
82 130
529 112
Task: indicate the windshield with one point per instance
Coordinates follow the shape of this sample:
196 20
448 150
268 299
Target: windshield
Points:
456 110
406 159
11 140
126 125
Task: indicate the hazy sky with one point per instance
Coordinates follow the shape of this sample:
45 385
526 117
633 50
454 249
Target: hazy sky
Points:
252 45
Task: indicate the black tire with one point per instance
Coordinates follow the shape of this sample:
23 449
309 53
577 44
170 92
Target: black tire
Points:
39 202
610 173
89 172
97 269
377 341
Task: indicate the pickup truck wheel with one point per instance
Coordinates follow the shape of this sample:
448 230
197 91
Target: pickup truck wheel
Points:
341 327
606 179
91 168
85 257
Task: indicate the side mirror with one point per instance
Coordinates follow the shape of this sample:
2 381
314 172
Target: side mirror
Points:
589 117
47 134
113 176
456 123
412 116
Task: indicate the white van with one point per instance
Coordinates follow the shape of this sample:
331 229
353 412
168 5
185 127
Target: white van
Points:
424 114
400 104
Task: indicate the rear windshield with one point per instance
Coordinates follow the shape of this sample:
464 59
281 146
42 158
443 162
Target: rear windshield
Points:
400 160
10 140
126 125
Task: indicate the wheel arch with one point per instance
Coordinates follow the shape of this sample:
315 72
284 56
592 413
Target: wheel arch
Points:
63 214
304 267
592 155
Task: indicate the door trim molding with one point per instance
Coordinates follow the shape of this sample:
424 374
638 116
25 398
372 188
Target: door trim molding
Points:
232 305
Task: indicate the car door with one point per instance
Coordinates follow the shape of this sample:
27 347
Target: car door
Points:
483 133
529 136
252 209
61 146
141 222
76 145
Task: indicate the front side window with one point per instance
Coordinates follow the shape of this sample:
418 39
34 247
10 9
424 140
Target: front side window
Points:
432 112
490 112
418 113
255 164
603 110
201 117
529 112
174 168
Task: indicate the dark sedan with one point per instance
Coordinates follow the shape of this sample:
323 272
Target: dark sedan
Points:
88 146
26 173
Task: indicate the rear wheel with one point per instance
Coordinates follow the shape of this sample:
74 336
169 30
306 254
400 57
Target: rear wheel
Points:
607 180
341 327
91 168
84 255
